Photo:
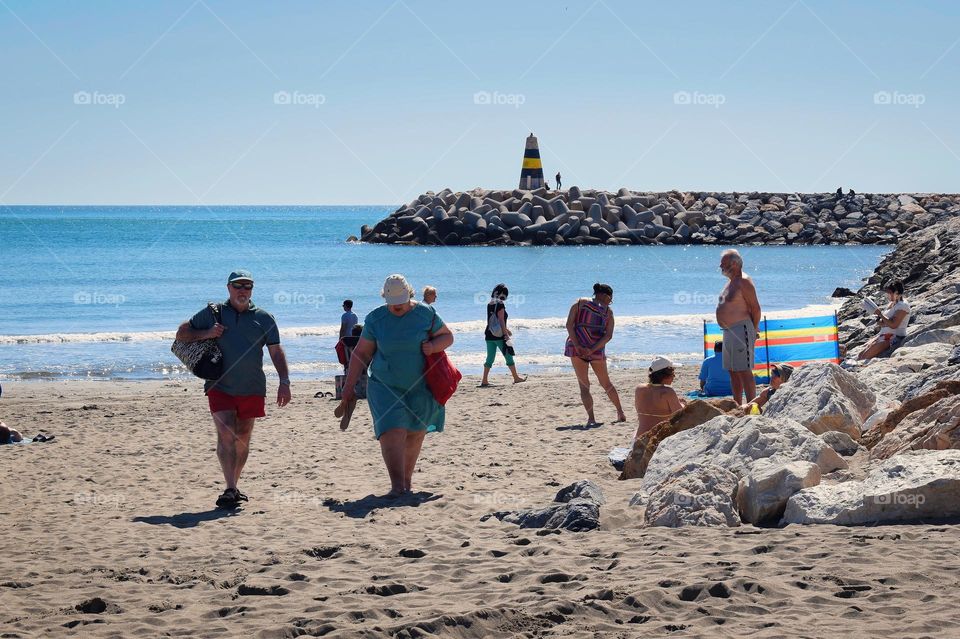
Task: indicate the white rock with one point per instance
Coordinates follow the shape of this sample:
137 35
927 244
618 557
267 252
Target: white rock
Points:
736 444
916 485
694 495
763 493
935 427
877 417
913 359
822 396
936 335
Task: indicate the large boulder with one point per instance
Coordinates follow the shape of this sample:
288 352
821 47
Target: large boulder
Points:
762 494
693 495
737 444
918 485
933 336
693 414
822 396
936 427
575 508
943 389
913 359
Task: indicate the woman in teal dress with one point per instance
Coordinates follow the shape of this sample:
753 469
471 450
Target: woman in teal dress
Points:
396 339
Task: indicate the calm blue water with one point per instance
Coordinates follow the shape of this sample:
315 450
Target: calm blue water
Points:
98 291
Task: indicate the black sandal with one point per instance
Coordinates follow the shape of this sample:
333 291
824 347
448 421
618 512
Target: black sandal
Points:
229 498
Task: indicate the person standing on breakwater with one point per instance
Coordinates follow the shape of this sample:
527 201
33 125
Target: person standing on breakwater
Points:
738 313
557 178
589 328
395 341
237 398
496 335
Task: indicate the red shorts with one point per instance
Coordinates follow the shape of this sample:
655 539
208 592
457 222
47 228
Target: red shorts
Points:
246 406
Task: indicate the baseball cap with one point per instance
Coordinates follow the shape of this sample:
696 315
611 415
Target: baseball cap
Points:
240 274
396 290
661 363
783 371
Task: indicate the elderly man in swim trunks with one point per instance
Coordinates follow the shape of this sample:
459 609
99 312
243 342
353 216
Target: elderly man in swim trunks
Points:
738 313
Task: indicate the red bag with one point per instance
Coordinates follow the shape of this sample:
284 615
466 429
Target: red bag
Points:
441 375
342 353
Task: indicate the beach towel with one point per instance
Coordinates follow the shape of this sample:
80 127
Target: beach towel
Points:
30 441
697 395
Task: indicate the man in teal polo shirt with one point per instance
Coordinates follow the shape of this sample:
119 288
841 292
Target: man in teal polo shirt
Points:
237 398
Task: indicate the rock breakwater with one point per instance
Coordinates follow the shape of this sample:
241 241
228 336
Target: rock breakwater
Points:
590 217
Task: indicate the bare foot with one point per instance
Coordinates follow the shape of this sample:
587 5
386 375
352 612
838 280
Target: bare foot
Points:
620 419
520 380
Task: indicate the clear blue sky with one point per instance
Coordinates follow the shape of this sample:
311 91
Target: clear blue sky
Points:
786 91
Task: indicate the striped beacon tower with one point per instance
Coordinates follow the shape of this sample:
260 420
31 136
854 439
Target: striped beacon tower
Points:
531 175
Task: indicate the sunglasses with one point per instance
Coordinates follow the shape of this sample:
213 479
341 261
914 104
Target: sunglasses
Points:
238 286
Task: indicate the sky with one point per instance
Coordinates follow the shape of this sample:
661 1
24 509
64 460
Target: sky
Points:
374 102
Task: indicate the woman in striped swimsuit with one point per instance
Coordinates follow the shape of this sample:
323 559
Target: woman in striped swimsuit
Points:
589 328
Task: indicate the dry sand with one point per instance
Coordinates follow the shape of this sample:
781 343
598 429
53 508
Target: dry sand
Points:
115 517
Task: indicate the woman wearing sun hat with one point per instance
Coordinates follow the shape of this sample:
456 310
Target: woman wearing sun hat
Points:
656 400
396 339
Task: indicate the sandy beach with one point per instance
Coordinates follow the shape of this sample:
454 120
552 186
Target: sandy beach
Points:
110 531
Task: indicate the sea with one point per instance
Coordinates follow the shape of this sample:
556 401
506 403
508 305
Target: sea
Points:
97 292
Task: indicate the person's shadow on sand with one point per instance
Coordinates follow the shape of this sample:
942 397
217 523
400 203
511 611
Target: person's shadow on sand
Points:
360 508
185 520
581 426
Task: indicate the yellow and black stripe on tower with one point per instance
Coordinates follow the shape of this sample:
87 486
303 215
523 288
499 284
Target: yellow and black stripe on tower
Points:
531 175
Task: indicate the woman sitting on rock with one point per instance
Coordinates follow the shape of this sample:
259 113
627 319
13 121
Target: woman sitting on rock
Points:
656 401
779 374
892 320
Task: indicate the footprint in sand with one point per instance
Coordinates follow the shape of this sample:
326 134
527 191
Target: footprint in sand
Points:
388 590
96 606
702 591
227 611
322 552
262 591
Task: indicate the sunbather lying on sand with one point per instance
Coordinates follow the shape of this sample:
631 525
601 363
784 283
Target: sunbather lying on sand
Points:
12 435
